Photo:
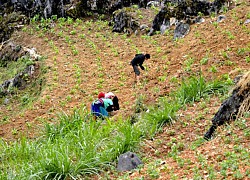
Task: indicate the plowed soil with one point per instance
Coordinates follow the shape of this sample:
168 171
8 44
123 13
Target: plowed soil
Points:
87 58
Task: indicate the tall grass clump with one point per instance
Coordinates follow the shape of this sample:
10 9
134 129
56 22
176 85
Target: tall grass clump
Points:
95 144
191 90
158 116
194 88
74 146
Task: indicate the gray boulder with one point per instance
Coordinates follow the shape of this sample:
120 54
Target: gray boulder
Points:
181 30
124 22
128 161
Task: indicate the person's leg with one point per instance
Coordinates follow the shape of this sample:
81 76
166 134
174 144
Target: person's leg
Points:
137 74
104 112
138 79
92 109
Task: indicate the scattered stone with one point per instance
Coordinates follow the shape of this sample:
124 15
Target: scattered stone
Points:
6 101
199 20
247 21
143 27
32 53
181 30
128 161
153 3
164 26
221 18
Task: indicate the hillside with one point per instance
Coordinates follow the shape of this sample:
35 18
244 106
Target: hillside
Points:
84 57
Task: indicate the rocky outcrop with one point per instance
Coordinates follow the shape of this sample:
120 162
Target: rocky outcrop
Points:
233 107
124 22
11 52
15 13
46 8
9 23
184 10
119 4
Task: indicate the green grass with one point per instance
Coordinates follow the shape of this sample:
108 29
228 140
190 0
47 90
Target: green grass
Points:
76 145
196 88
8 69
71 148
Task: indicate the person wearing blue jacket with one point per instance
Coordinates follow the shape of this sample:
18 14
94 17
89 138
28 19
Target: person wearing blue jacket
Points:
104 105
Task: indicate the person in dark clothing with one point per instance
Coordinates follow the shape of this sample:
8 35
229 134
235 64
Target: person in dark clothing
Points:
138 61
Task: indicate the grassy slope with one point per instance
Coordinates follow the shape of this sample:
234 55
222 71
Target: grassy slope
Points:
86 58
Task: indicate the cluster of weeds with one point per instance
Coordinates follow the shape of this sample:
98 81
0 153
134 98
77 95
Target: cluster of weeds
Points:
77 145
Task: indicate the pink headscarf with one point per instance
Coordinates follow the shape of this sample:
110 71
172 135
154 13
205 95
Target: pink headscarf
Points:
109 95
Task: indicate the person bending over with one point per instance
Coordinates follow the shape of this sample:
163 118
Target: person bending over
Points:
138 60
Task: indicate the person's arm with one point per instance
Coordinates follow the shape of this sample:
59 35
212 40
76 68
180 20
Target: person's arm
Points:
110 108
142 67
142 58
116 103
110 105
